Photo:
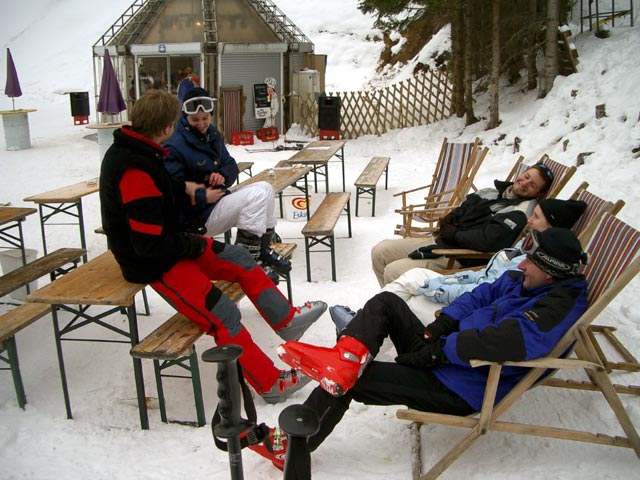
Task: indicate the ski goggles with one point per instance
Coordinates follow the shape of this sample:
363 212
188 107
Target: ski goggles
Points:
192 105
548 263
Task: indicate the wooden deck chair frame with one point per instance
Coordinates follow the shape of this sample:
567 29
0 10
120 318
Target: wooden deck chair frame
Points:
452 179
561 175
615 261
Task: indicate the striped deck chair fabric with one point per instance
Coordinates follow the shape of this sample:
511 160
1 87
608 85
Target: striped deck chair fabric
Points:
614 252
452 179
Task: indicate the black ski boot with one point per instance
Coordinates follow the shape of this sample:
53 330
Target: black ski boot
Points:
252 243
267 256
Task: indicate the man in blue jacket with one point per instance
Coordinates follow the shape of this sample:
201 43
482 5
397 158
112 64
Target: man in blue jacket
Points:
519 317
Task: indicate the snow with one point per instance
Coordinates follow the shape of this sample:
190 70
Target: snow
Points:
104 439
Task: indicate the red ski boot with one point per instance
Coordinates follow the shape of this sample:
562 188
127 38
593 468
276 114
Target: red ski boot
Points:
273 448
336 369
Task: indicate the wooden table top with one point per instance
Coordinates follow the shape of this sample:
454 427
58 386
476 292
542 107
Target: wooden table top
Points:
10 214
319 151
97 282
70 193
284 177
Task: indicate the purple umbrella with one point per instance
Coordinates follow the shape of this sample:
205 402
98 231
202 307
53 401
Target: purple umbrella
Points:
111 100
12 88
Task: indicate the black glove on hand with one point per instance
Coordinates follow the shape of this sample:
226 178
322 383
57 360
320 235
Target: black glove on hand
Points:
443 325
425 253
447 232
195 246
429 355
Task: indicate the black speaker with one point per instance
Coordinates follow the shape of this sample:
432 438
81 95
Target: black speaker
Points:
328 113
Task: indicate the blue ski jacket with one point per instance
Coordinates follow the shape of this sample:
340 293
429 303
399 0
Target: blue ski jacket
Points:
193 156
502 321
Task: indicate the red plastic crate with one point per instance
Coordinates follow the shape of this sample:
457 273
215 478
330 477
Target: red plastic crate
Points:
268 134
80 120
329 135
242 138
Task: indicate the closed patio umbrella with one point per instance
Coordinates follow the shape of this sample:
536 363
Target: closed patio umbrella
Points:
12 87
111 100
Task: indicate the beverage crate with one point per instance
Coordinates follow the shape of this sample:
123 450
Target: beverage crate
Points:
242 138
268 134
329 135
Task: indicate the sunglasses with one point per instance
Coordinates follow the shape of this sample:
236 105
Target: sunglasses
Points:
546 170
191 106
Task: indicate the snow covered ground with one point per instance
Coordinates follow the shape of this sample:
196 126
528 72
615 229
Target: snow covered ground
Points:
104 440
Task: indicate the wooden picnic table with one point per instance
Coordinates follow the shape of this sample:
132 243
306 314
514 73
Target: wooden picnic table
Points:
281 178
317 154
98 282
64 201
11 219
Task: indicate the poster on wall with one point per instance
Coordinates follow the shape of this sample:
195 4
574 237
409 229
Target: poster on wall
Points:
261 101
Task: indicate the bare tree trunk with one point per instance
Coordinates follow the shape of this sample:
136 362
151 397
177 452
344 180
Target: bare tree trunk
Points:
532 35
494 85
468 74
457 57
551 47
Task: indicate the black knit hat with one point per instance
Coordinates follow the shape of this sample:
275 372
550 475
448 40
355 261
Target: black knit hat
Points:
562 213
196 92
555 251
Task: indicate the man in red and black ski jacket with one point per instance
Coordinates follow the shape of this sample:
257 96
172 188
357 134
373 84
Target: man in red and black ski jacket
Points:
140 206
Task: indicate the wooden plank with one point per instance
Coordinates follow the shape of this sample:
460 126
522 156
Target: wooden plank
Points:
242 166
284 177
372 172
70 193
324 219
10 214
97 282
15 320
38 268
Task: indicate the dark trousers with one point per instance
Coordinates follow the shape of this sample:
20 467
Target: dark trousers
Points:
385 383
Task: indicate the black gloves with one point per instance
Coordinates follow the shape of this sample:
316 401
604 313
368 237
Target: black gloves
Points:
429 355
195 245
447 232
425 253
443 325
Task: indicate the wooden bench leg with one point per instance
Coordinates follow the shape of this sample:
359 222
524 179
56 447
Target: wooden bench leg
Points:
197 387
190 364
307 246
287 278
14 365
367 191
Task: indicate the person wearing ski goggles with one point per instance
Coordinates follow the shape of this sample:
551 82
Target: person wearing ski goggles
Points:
197 153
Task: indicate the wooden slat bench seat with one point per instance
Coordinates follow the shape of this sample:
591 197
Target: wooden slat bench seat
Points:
319 230
13 321
173 344
246 168
368 179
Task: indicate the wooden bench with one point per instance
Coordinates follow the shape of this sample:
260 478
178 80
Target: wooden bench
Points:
173 344
24 315
319 230
368 179
246 168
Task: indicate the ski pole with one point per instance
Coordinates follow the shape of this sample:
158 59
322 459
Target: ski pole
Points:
299 422
231 424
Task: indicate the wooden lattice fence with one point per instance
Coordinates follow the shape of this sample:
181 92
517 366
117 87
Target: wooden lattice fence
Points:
419 100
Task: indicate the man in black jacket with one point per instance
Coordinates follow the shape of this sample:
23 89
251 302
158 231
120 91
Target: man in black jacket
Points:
140 206
488 220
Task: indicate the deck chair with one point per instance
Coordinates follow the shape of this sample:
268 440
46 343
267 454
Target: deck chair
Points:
614 261
452 178
561 175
